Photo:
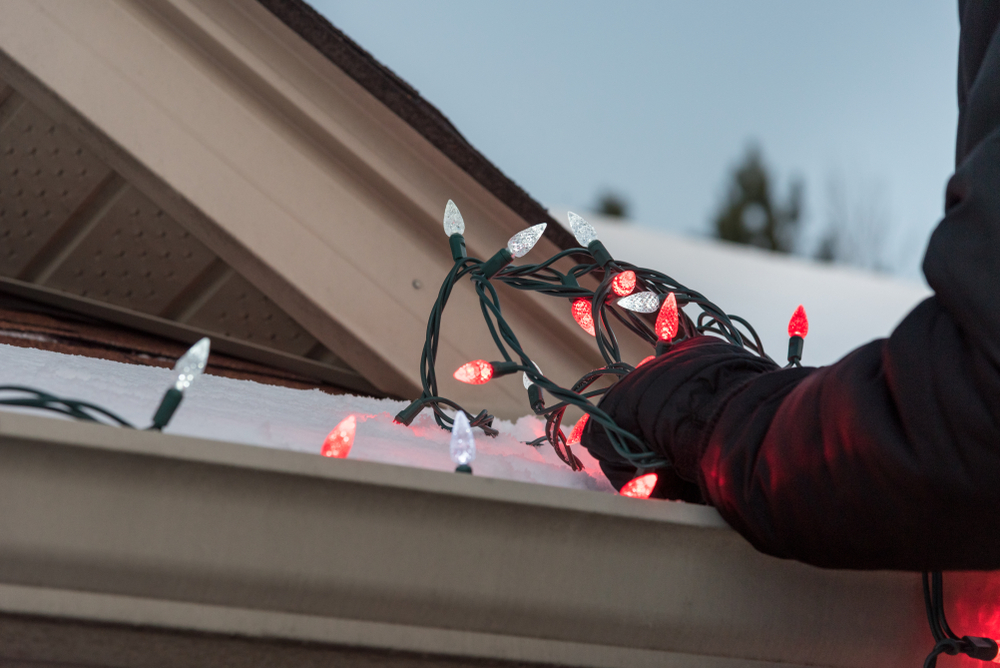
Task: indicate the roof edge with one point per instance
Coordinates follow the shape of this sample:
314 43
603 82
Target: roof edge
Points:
404 101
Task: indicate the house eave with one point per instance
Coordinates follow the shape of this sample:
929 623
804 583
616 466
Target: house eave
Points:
292 174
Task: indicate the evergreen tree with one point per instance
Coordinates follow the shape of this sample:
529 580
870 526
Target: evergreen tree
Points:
751 214
612 205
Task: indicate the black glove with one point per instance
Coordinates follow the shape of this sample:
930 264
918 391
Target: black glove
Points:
671 404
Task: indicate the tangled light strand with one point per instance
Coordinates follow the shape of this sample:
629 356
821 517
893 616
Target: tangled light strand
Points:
616 282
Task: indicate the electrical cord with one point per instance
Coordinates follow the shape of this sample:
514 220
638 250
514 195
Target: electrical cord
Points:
188 367
947 641
74 408
544 278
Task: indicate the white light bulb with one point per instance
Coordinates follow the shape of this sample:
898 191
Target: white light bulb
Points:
582 230
191 364
525 240
527 381
641 302
453 223
463 445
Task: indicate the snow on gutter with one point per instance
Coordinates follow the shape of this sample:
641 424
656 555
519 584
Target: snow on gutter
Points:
133 531
252 413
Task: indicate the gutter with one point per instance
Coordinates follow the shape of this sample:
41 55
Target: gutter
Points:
115 541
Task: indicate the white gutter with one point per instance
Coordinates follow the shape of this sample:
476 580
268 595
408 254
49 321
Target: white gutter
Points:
115 542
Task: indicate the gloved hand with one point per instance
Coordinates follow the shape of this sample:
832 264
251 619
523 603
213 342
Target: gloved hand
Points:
672 403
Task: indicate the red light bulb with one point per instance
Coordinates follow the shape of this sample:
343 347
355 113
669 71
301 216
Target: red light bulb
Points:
624 283
641 487
476 372
799 324
576 435
582 315
339 441
667 320
650 358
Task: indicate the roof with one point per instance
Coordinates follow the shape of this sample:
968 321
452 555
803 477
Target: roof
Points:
847 307
406 102
830 293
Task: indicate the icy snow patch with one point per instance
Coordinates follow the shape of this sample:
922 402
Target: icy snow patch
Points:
252 413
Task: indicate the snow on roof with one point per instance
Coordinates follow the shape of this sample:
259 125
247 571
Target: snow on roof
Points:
252 413
847 307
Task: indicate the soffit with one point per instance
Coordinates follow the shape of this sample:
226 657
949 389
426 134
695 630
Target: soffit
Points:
71 225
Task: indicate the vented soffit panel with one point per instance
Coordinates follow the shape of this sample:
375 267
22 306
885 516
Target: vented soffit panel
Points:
76 234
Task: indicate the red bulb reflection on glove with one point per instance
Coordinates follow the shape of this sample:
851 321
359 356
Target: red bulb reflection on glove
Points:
648 358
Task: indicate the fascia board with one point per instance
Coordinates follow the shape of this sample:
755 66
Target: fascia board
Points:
289 171
102 523
60 628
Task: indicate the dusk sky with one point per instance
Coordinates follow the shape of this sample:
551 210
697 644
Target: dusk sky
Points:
658 100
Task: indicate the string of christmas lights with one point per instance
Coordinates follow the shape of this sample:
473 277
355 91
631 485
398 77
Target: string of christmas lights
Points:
188 367
645 302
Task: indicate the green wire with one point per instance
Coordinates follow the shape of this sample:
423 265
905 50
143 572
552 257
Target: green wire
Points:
544 278
74 408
